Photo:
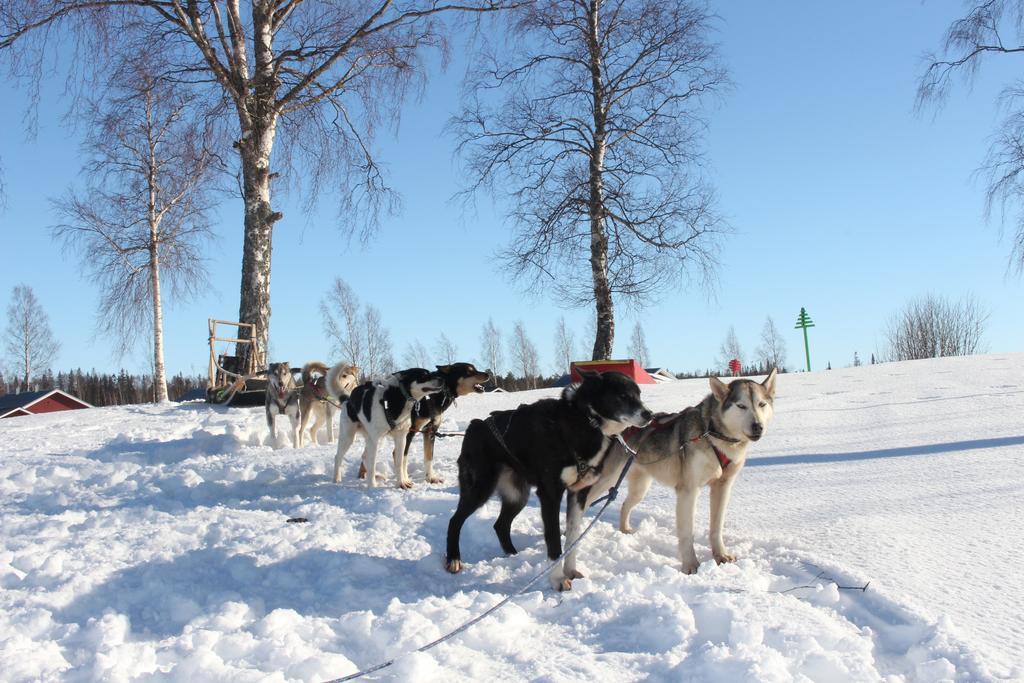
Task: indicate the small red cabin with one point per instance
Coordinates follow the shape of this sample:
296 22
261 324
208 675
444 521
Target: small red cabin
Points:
36 402
630 368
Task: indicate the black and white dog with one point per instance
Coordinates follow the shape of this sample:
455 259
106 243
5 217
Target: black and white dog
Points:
282 398
460 379
553 445
378 408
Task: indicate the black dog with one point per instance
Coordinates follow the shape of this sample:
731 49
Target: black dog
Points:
553 445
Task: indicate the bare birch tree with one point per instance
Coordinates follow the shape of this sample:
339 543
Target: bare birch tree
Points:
772 351
524 354
990 28
141 222
491 351
416 355
28 339
933 326
638 346
445 349
379 361
317 77
565 346
596 142
357 334
729 349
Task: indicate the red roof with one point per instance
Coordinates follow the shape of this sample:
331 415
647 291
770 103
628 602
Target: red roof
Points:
629 367
35 402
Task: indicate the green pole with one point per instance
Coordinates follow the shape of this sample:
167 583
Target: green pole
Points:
803 321
807 350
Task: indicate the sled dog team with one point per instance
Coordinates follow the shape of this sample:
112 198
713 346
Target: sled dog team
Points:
567 445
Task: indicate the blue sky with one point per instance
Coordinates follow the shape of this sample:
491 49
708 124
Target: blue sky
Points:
842 200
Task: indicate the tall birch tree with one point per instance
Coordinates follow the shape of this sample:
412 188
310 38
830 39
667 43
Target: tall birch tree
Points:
140 225
318 77
28 339
588 120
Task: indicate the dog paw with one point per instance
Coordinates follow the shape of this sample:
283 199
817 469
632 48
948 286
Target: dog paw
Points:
454 566
627 529
362 471
690 567
722 558
561 583
405 484
575 574
434 479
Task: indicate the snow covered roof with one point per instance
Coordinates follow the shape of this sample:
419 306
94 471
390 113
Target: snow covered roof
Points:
661 374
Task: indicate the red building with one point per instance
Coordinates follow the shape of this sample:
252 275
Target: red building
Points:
35 402
630 368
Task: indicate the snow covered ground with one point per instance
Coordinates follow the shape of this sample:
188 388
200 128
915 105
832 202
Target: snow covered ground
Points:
151 543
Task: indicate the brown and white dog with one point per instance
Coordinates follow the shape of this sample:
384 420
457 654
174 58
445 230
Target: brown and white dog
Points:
704 445
322 391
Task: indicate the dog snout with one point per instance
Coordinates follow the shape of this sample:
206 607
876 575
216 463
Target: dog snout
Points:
645 417
756 430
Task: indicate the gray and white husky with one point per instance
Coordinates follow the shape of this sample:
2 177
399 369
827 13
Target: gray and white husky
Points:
704 445
282 398
374 409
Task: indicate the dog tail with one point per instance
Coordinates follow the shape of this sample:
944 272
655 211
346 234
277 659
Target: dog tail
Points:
341 380
309 368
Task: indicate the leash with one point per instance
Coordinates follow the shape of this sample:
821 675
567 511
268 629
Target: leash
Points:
607 498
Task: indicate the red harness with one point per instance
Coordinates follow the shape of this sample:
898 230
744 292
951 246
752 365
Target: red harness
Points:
657 426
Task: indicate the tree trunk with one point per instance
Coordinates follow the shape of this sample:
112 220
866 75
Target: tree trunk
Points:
258 116
254 299
159 376
598 239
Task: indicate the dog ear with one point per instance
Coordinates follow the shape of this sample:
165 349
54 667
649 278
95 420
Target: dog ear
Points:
443 368
719 388
584 374
769 382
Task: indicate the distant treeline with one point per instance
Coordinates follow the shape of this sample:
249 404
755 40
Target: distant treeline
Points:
749 369
103 389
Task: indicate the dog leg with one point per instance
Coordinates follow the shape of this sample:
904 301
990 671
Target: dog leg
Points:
296 432
398 454
574 507
720 491
303 421
514 494
318 422
686 504
550 502
429 434
639 483
346 436
272 426
473 493
370 458
329 416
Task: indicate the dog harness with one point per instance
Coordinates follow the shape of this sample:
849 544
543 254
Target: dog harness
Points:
583 468
667 420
